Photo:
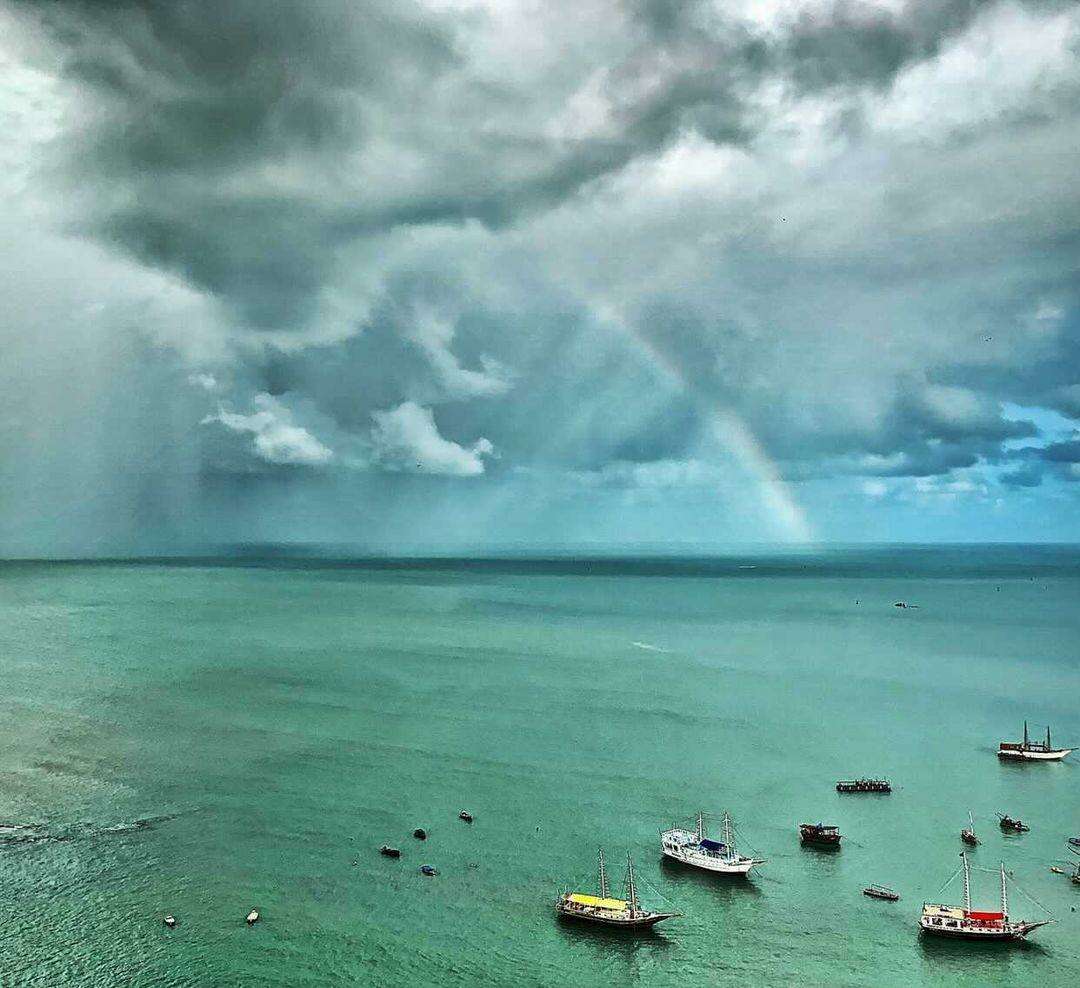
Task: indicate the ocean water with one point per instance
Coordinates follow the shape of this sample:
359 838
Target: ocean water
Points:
206 737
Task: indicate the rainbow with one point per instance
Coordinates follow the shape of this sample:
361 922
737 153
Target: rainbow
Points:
734 435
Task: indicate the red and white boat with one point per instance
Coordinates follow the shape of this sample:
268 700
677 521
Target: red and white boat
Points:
965 923
1031 751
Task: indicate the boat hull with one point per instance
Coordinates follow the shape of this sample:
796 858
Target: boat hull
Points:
639 922
1013 932
717 866
819 841
1033 756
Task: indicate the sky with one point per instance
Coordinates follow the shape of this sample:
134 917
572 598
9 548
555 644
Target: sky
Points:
525 273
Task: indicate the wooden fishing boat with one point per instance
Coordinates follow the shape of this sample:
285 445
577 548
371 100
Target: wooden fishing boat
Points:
820 835
965 923
390 852
881 892
967 835
1011 825
605 910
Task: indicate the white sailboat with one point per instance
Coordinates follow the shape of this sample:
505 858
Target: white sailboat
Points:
694 848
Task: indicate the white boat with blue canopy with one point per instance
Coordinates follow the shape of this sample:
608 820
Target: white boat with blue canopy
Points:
695 848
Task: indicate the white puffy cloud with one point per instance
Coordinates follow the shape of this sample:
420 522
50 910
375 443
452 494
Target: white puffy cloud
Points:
875 488
203 380
407 438
277 439
433 333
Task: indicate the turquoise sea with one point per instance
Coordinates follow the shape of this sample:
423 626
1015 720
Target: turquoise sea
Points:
202 737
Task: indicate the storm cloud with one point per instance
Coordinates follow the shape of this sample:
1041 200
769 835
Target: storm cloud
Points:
472 271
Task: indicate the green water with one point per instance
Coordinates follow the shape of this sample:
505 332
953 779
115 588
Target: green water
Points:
274 724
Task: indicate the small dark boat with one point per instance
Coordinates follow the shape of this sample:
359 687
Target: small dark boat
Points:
465 815
820 835
1013 826
863 785
428 870
390 852
881 892
420 833
967 835
170 921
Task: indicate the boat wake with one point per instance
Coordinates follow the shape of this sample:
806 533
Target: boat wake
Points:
649 648
37 833
25 833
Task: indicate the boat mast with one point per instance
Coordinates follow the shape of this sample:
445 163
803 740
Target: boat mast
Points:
967 883
1004 895
631 890
603 877
1025 734
971 824
727 832
1047 737
700 825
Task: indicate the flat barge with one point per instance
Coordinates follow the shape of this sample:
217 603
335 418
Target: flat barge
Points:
864 785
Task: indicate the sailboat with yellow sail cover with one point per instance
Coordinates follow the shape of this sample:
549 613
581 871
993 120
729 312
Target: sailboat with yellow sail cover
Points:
623 913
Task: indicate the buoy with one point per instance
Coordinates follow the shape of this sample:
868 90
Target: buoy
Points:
253 917
170 921
420 833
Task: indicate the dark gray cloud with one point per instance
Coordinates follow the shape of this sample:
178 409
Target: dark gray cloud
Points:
1064 452
1023 477
203 109
854 44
